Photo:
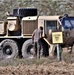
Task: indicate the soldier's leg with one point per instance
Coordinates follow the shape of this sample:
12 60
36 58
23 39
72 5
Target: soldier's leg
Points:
35 49
38 50
41 51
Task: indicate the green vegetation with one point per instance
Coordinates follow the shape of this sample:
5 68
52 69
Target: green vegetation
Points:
45 7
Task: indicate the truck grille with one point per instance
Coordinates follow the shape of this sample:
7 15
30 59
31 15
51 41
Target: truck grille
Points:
29 27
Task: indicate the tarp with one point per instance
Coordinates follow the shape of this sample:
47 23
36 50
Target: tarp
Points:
68 22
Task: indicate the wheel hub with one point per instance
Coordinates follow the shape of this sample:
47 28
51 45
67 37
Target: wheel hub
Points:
8 50
32 51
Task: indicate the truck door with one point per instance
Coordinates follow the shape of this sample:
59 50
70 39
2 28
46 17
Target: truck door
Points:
50 26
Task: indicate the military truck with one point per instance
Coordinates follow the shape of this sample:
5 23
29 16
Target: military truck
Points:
16 33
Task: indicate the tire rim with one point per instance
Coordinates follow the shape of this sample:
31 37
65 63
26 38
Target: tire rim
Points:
30 51
7 50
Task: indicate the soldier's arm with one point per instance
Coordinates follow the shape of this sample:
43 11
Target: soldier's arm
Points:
33 36
41 34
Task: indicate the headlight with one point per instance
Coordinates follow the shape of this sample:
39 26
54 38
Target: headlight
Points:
11 27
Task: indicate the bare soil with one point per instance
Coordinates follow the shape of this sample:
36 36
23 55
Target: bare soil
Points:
43 66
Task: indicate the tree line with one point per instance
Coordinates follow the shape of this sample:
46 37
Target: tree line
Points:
45 7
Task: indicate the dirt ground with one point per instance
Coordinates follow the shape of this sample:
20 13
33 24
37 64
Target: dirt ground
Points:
56 68
43 66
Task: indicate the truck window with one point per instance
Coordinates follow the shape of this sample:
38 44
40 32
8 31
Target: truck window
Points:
50 25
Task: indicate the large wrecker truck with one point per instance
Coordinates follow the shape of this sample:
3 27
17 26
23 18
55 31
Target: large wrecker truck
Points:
16 33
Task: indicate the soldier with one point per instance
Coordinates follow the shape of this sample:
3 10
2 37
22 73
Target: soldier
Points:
36 37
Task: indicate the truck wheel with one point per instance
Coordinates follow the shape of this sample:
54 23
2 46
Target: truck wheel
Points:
27 49
9 49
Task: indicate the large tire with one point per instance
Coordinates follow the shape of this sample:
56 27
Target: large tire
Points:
9 48
23 12
27 49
